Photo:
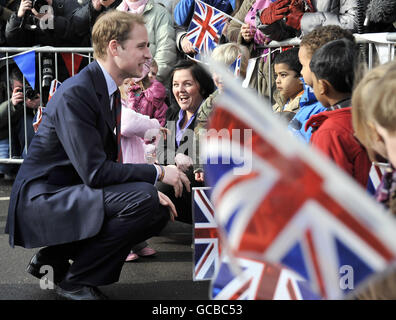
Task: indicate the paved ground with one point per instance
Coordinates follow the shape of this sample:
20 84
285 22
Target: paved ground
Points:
167 276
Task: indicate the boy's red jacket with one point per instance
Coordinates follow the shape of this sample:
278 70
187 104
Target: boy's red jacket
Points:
333 135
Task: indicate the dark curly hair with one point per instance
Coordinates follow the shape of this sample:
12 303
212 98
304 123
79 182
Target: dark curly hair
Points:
324 34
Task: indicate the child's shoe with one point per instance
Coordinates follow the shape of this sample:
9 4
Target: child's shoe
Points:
132 256
146 252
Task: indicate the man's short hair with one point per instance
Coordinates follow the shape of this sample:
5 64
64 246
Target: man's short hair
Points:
290 58
16 74
321 35
336 62
112 25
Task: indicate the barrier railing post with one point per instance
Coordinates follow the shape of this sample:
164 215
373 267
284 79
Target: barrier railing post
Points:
24 115
56 65
9 108
370 62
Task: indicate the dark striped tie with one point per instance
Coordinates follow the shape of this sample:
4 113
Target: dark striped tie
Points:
117 111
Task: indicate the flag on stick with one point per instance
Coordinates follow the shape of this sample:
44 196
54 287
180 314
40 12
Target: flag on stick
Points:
258 280
205 27
54 86
281 201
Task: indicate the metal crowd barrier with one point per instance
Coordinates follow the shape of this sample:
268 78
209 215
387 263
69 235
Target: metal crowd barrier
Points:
370 38
9 53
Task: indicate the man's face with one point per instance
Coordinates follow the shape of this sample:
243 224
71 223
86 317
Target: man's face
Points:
133 53
305 58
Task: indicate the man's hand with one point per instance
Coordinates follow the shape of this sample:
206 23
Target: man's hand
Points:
46 14
166 202
17 96
23 7
176 178
17 99
33 103
183 162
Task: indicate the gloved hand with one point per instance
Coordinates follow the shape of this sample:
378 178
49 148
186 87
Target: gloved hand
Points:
296 11
274 12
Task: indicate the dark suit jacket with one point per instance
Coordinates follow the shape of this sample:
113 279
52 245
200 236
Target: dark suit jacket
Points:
57 196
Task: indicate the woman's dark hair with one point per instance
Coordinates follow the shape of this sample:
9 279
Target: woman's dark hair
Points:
206 84
336 62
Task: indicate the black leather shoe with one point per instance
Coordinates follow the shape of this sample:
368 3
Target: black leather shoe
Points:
85 293
38 260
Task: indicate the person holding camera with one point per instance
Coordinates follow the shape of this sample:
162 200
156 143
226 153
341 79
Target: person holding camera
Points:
7 8
18 96
42 22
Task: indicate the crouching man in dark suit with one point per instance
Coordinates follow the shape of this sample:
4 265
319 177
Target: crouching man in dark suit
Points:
72 195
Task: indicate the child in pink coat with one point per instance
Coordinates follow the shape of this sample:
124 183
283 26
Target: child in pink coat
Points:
147 95
138 135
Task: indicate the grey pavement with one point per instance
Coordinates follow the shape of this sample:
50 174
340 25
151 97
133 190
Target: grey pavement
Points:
167 276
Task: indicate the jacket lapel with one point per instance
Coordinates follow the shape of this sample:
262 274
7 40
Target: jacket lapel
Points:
99 82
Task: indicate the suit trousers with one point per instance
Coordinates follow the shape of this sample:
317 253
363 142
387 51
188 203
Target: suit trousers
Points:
132 215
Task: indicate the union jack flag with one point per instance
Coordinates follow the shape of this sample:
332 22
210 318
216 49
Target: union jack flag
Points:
54 86
236 66
37 118
205 27
258 280
282 201
375 177
206 242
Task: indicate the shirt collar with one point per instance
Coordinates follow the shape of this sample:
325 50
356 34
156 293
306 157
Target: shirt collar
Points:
111 85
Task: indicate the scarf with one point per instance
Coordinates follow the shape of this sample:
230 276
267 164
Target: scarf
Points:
133 7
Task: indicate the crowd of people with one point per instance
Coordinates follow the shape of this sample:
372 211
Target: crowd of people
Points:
118 144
